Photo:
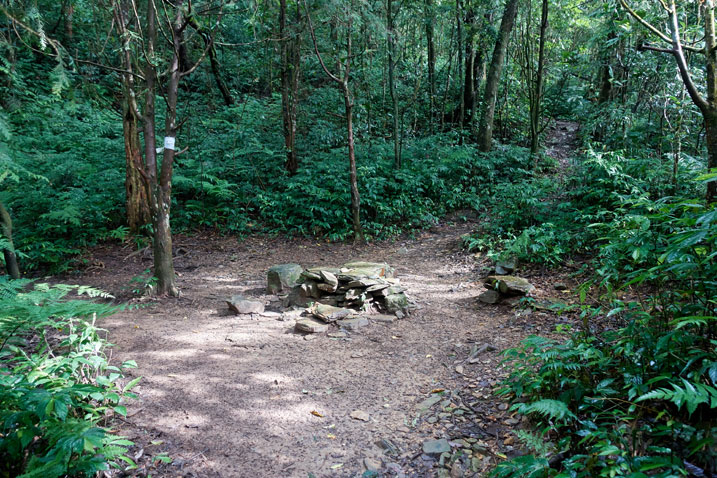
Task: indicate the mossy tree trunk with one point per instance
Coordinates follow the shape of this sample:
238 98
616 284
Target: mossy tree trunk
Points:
9 251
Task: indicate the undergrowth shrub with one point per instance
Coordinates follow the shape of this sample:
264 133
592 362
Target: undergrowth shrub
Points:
544 221
57 387
634 392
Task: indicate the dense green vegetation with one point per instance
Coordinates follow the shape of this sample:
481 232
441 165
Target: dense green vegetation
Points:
263 99
57 388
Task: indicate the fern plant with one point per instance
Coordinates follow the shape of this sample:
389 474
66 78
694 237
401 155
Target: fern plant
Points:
56 384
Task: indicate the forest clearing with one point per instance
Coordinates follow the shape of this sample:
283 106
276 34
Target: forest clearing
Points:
358 238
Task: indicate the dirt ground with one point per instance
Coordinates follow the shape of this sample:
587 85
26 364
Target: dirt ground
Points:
245 396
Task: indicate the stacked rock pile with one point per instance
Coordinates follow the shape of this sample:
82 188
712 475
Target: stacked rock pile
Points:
345 295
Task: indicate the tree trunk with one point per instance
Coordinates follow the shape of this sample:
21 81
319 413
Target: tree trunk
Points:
538 93
343 84
213 60
355 198
288 93
459 62
136 202
710 118
9 252
429 18
69 27
485 133
391 38
160 182
469 59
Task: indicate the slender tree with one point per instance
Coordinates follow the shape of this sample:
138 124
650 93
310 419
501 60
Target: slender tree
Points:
342 81
290 74
391 41
707 105
154 77
485 131
428 19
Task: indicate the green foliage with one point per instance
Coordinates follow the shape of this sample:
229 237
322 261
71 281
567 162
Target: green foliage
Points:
637 398
545 221
56 384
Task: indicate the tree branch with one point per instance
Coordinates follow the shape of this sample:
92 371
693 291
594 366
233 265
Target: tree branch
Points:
316 47
682 62
653 29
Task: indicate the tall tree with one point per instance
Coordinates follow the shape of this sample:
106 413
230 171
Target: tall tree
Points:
707 105
342 81
391 41
485 131
143 62
290 73
428 19
469 59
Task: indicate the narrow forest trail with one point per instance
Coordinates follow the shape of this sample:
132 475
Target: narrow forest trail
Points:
232 396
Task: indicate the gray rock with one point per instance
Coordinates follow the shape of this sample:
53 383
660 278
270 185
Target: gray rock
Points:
310 289
291 314
329 313
436 447
377 287
363 283
396 302
352 325
365 270
241 305
311 326
509 285
388 447
309 275
560 286
297 298
326 287
457 470
428 403
329 278
372 465
283 277
506 266
383 318
489 297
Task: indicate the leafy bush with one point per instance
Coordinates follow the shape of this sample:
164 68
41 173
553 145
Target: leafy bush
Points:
56 385
639 398
543 221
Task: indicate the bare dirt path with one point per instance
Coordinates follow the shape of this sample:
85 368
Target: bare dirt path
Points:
232 396
237 396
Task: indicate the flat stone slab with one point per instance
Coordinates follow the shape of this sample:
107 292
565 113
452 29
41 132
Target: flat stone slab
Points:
310 325
352 325
241 305
436 447
509 285
329 313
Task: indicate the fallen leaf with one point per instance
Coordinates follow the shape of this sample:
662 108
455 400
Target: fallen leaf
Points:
438 390
429 356
316 414
337 466
331 436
